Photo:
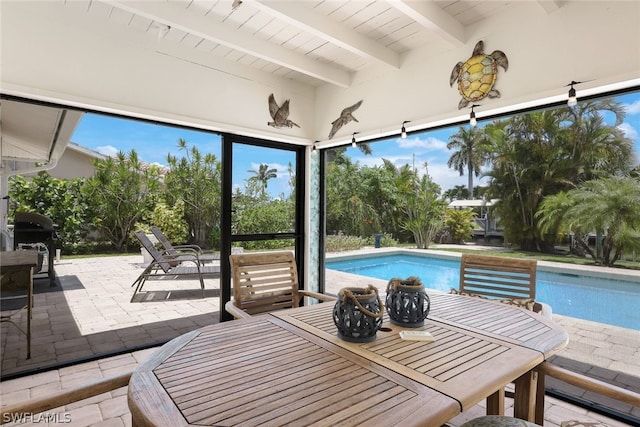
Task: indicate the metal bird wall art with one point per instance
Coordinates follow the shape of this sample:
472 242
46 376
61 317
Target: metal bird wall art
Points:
345 117
279 114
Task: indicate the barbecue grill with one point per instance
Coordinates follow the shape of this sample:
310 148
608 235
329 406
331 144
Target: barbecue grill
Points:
35 228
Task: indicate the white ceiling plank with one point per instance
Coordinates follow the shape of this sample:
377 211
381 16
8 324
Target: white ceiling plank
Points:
304 18
226 34
430 16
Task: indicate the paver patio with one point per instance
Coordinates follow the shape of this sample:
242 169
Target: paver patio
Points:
92 316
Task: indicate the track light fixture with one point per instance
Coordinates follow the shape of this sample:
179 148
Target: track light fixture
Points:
353 140
314 150
403 131
472 116
572 101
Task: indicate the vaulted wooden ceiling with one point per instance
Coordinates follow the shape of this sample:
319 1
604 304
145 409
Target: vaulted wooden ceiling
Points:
313 42
212 64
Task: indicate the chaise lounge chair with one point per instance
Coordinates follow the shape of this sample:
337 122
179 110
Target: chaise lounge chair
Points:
170 267
178 250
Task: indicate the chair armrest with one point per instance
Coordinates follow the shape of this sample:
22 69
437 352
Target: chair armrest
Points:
189 247
182 256
182 251
318 296
231 308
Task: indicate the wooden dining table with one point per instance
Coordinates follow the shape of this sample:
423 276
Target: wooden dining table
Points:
290 367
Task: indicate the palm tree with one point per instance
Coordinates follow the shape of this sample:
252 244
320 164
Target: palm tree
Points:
603 148
459 192
471 154
543 153
263 175
338 152
608 206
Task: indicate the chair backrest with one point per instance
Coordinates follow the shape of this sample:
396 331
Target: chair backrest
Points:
168 247
498 277
160 259
264 281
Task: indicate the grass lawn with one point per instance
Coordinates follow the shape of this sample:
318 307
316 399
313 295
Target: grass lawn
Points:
569 259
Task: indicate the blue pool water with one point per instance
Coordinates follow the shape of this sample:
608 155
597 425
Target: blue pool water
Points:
614 302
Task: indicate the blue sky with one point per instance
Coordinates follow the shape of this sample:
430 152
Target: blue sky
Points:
153 142
431 147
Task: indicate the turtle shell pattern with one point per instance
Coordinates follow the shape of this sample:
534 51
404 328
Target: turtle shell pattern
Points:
477 77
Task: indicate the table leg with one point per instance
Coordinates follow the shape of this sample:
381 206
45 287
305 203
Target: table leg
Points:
29 312
525 394
495 403
540 396
51 271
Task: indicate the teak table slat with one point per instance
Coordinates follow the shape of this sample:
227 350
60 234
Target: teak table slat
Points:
290 367
480 346
264 371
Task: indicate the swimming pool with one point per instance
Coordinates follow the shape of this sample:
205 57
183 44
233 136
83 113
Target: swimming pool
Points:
604 300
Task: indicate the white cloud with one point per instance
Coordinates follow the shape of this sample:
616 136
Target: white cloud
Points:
107 150
633 108
448 178
428 143
438 170
160 165
628 130
377 160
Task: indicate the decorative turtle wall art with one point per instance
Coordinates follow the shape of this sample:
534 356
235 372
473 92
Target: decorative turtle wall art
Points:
477 75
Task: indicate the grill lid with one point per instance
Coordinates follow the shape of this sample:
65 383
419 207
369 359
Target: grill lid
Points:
32 221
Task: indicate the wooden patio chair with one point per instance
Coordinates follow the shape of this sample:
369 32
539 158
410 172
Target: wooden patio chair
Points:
170 267
506 280
265 282
179 250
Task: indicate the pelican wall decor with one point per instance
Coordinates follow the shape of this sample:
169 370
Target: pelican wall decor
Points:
345 117
280 115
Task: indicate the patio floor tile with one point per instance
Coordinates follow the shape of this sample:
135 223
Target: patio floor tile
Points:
92 315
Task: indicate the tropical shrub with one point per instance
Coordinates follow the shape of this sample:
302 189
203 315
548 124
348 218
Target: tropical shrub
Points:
342 242
196 179
609 207
122 192
171 221
459 224
386 241
59 199
544 153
